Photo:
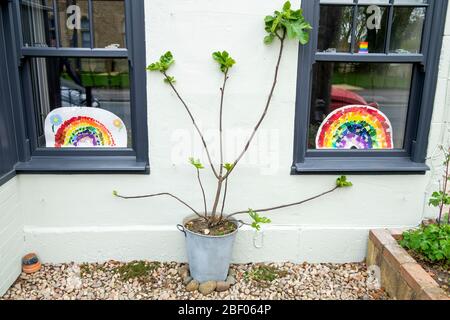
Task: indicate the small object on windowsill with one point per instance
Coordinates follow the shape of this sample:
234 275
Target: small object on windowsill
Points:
402 51
364 47
331 50
113 46
30 263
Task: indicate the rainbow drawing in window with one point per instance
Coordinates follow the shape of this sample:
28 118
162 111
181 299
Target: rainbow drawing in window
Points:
355 127
81 127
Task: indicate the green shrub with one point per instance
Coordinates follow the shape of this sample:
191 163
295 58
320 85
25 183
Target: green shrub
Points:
432 242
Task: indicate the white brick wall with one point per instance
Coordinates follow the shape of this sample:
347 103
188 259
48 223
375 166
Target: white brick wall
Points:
440 126
11 234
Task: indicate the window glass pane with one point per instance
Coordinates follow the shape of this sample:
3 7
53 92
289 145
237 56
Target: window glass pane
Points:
335 28
407 28
109 23
383 88
371 29
82 102
38 23
411 2
74 23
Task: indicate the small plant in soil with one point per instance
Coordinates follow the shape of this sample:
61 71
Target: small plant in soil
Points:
441 199
137 270
432 242
264 273
213 219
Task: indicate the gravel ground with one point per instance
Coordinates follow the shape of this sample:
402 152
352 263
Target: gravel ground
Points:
162 281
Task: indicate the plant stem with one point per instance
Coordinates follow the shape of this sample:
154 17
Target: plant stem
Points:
194 122
222 98
217 198
287 205
444 189
224 199
203 192
162 194
219 184
269 100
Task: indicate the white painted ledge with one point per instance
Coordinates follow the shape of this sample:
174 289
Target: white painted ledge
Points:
165 243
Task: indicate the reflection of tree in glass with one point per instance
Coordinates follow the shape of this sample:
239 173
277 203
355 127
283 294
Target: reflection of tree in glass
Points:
335 28
407 29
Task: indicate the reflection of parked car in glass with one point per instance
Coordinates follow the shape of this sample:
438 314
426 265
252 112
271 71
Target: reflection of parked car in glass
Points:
342 97
75 95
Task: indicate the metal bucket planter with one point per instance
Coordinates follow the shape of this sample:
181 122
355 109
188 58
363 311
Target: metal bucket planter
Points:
209 256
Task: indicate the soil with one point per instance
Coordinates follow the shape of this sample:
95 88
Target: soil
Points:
439 272
203 227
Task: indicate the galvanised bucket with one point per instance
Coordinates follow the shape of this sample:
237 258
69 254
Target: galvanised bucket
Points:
209 256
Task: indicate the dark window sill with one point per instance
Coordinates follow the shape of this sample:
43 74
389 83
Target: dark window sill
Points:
360 165
53 165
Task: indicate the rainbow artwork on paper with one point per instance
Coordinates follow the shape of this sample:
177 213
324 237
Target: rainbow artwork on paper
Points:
355 127
363 47
81 127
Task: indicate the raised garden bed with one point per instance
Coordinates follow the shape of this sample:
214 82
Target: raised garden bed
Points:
400 274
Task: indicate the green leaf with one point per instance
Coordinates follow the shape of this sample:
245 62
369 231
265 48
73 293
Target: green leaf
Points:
289 22
224 60
269 39
228 166
342 182
170 79
431 242
164 63
257 220
196 163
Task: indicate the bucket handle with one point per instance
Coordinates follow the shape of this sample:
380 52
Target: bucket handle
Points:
181 229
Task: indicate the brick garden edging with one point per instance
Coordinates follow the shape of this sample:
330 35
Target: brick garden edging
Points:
401 276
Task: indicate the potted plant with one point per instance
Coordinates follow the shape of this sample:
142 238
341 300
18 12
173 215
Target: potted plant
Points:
210 232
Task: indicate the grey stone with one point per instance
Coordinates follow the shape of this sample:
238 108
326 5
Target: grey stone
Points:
231 280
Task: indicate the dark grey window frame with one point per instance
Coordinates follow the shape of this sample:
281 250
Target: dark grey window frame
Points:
426 66
96 160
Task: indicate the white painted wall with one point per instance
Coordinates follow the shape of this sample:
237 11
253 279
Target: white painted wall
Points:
75 217
11 234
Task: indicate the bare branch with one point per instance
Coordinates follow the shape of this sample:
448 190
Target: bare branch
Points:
269 100
222 97
217 197
224 199
158 195
194 122
287 205
203 192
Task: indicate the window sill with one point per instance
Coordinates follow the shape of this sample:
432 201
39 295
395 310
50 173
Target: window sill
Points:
360 165
100 165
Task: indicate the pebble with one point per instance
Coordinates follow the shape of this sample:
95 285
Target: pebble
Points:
192 286
222 286
102 282
208 287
